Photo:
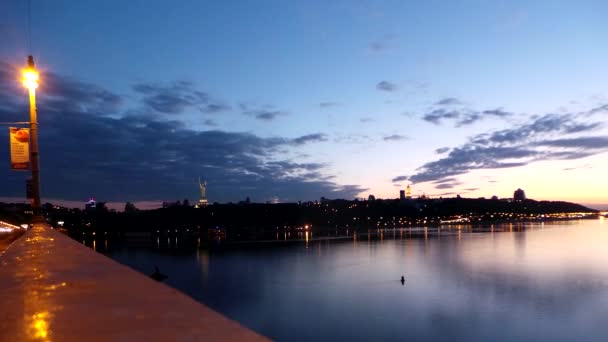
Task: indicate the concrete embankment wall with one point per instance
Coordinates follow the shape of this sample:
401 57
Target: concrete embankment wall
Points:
55 289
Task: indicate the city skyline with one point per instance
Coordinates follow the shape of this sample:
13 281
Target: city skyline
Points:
295 102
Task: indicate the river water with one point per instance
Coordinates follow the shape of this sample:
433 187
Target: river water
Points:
508 283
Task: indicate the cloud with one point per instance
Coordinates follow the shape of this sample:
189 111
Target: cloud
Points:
177 97
549 123
447 185
268 115
437 115
210 122
213 108
265 113
599 109
467 158
316 137
445 180
68 92
450 108
386 86
173 98
462 117
328 104
366 120
448 101
469 117
353 139
496 112
395 137
442 150
583 143
529 142
399 179
126 157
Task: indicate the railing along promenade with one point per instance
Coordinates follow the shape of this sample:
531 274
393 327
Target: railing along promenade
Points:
54 289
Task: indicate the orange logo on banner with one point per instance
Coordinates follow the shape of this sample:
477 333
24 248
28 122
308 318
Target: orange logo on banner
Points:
20 148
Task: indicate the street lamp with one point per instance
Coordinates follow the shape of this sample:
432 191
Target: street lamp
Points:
30 81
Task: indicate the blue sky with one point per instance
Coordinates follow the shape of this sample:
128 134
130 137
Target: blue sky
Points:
379 86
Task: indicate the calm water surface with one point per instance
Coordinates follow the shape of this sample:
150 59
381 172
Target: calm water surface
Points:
534 282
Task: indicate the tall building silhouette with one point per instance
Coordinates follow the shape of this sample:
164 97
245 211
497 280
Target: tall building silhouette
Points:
401 194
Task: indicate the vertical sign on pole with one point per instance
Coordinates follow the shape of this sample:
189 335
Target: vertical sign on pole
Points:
20 148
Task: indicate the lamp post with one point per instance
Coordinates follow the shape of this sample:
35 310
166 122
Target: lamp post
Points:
30 81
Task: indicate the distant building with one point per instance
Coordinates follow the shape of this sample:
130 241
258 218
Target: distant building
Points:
519 195
408 192
371 198
91 204
401 194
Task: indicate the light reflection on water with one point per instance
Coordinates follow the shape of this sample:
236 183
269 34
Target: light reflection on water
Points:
511 282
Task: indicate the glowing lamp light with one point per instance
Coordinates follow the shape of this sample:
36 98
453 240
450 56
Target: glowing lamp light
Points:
30 78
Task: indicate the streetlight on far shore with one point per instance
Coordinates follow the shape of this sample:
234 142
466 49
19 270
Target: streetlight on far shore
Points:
30 81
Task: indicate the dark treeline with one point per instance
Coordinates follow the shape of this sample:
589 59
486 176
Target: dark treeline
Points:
248 220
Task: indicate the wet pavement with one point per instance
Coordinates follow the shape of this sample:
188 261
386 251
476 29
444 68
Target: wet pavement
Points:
55 289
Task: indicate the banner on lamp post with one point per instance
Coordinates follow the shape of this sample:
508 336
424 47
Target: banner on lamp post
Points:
20 148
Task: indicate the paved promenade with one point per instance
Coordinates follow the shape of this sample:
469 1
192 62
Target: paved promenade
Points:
55 289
